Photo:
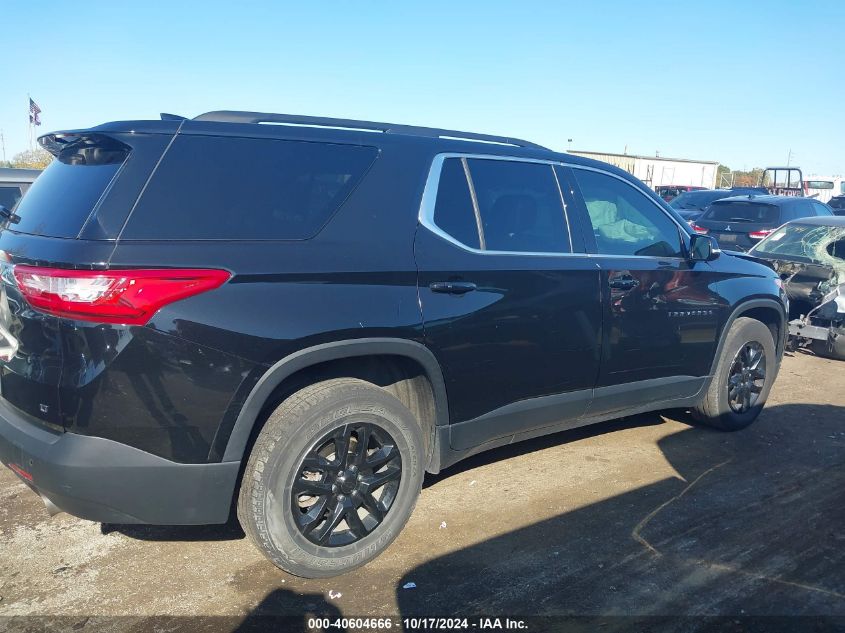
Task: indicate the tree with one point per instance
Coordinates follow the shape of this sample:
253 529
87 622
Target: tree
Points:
32 159
722 170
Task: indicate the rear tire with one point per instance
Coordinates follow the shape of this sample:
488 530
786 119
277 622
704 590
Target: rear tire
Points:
332 479
744 375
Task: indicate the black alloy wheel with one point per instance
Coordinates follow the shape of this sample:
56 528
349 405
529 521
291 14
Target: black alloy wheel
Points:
747 377
346 484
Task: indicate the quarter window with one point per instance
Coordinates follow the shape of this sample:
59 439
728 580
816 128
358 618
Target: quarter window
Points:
821 209
624 220
210 188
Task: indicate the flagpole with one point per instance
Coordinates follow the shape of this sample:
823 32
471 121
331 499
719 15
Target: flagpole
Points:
29 109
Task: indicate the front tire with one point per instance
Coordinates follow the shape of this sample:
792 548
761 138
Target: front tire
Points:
332 479
744 375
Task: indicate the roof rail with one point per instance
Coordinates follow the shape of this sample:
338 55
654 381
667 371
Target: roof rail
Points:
234 116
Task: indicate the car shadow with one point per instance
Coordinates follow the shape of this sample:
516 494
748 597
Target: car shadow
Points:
751 525
229 531
546 441
232 530
754 524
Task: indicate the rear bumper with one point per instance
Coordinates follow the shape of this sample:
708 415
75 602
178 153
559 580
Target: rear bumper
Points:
102 480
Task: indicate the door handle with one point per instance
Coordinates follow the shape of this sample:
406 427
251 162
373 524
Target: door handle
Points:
452 287
624 283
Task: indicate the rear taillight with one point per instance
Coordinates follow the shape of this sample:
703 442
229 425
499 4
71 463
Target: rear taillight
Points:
759 235
700 229
130 297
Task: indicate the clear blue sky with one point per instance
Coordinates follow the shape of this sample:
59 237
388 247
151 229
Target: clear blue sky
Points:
738 82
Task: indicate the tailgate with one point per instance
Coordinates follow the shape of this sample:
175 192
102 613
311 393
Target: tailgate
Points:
68 219
30 355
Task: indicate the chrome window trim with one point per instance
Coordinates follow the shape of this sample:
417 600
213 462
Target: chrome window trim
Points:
429 198
476 211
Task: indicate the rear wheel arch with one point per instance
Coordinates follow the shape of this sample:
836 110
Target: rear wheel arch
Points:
406 369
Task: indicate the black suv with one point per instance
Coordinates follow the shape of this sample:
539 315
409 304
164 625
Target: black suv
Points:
740 222
837 204
691 204
304 318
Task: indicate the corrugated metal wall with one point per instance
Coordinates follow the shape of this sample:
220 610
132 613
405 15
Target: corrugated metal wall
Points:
657 172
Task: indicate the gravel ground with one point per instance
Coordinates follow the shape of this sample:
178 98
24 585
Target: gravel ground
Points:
650 516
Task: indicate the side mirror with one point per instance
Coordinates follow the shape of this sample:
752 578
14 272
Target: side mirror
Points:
703 248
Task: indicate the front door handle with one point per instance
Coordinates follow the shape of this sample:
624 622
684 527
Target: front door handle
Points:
452 287
624 283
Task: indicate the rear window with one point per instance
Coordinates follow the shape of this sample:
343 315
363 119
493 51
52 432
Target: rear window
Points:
743 212
60 200
819 184
9 196
210 188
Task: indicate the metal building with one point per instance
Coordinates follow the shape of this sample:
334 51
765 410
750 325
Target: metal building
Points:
657 171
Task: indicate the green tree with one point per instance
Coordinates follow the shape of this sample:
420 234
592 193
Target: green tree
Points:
723 170
32 159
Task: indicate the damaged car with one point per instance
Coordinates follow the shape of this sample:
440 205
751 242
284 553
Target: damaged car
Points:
809 256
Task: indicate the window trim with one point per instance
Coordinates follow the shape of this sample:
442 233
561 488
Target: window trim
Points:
429 200
432 184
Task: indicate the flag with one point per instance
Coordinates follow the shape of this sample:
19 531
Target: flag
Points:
34 112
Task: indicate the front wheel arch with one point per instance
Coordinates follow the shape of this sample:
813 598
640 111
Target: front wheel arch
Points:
770 312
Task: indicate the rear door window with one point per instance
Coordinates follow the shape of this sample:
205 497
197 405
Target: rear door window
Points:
520 206
60 200
216 188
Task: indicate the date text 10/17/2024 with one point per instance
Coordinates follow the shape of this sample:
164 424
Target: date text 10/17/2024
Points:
416 624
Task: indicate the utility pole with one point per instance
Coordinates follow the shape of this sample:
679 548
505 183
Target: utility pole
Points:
789 157
3 144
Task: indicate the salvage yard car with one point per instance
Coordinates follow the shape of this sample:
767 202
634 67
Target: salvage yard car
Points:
303 318
837 203
669 193
14 183
740 222
690 205
809 255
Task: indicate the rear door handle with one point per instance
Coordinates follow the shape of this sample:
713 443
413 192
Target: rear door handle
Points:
624 283
452 287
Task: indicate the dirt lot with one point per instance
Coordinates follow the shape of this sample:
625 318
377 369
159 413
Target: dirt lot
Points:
648 515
